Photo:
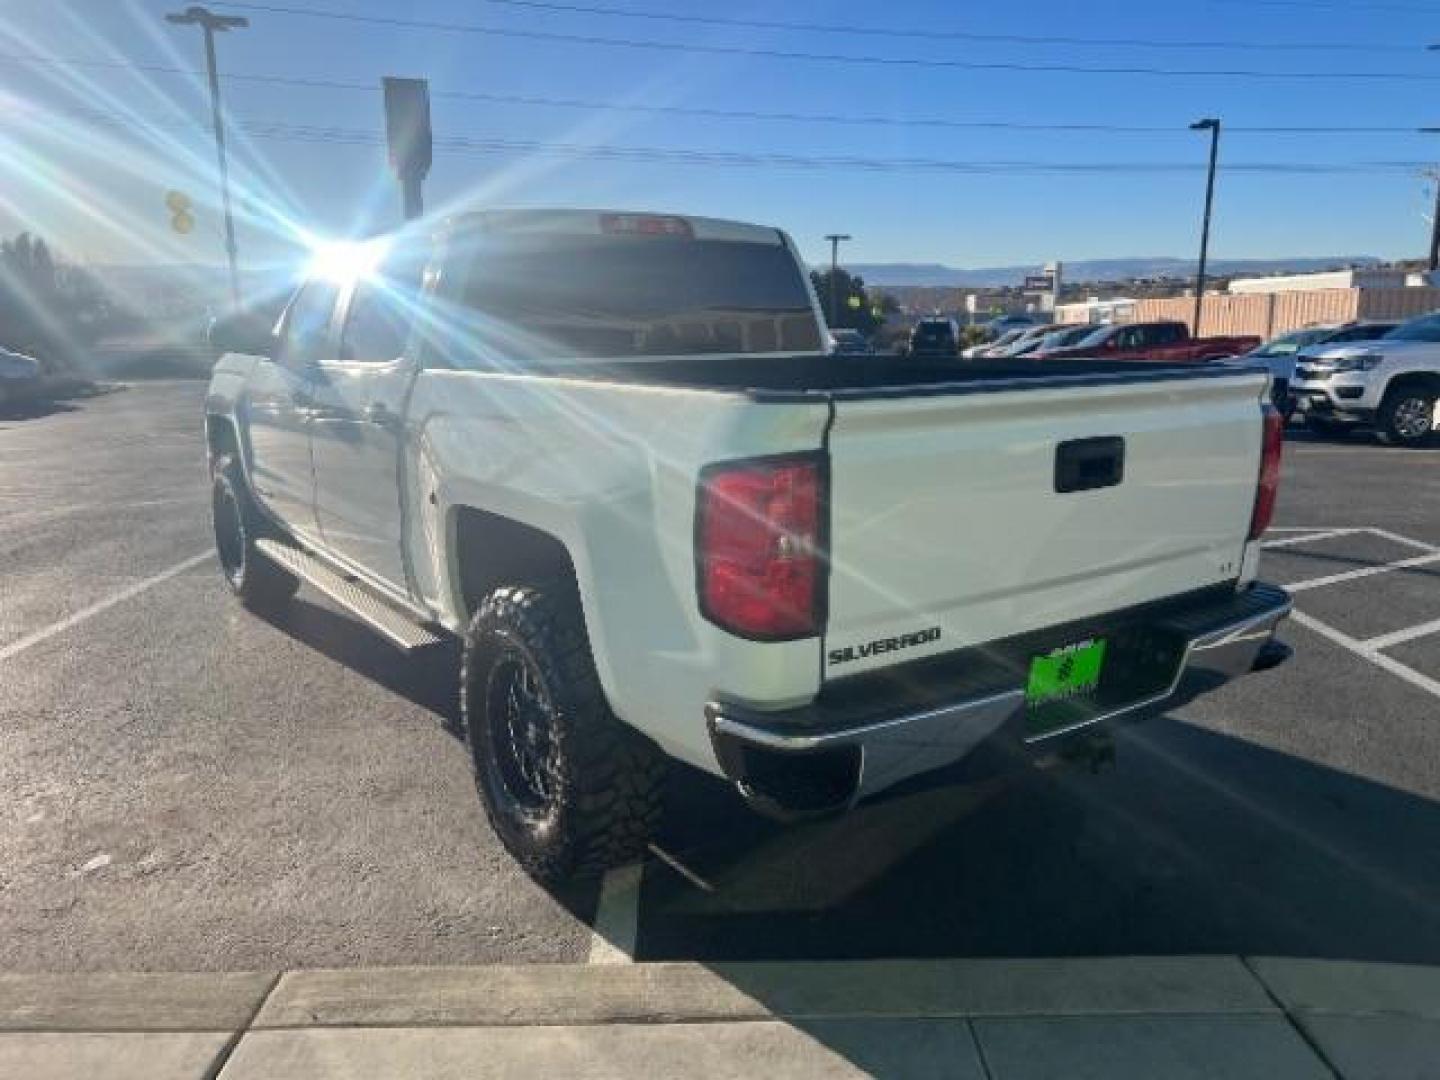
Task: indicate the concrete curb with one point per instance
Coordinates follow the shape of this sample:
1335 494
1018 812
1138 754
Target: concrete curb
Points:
1350 987
678 992
1114 1016
181 1001
546 994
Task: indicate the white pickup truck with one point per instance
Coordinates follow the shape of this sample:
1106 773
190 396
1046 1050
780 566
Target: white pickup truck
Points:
1392 382
609 454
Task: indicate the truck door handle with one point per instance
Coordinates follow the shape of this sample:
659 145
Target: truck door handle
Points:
1088 464
378 413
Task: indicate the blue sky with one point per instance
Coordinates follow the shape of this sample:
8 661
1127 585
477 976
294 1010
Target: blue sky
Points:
96 147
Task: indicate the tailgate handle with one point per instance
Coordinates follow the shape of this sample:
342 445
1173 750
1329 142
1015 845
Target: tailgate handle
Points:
1087 464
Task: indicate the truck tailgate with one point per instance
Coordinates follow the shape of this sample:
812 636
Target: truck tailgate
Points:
947 528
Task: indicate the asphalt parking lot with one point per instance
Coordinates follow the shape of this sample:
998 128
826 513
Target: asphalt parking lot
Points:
186 786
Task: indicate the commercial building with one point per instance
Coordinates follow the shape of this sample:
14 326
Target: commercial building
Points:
1267 306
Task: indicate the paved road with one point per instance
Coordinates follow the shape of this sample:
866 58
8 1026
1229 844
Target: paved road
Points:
184 785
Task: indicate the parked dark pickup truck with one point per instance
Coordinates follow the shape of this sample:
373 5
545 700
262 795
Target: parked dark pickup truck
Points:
1163 341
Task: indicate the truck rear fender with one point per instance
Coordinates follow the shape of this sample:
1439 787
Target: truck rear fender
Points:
511 472
489 551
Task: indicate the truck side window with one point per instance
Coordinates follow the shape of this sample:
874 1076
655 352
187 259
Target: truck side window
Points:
307 324
377 325
382 309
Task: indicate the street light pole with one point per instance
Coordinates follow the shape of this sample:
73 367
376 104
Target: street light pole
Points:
211 24
1211 125
835 239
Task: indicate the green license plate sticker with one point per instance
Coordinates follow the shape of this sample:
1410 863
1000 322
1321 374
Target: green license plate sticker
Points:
1066 673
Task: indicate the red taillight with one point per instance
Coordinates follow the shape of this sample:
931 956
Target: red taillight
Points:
1271 442
646 225
758 557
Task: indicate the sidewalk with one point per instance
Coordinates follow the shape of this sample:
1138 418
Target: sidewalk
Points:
1109 1018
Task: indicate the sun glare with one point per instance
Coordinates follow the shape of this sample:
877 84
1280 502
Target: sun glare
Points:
345 261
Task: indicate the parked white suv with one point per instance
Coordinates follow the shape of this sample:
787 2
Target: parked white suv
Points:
1392 383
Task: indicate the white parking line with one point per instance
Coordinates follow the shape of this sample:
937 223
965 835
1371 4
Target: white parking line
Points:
1308 538
21 644
1364 572
1407 541
1361 649
1396 637
90 508
617 917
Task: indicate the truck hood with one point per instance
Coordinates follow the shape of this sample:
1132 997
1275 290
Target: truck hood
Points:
1382 346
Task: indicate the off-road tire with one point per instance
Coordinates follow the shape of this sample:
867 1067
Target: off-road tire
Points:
1330 429
1395 406
258 582
608 779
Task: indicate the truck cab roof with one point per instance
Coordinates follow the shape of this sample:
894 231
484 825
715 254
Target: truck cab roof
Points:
581 222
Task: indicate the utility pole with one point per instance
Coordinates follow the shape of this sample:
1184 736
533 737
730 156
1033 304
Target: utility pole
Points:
1435 226
211 25
1211 125
1434 176
835 239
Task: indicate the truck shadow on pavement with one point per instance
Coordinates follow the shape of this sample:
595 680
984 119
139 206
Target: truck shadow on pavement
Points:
1194 843
428 678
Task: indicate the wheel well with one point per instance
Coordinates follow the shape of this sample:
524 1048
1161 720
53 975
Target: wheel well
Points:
220 437
1422 379
492 551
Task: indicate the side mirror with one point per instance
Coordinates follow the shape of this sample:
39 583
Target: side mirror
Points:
244 332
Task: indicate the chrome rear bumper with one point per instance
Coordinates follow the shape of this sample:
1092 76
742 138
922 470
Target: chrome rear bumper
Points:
792 764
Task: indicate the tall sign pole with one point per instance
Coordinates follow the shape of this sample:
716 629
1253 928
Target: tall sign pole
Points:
211 24
408 137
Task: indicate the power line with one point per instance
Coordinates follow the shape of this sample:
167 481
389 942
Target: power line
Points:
873 31
728 114
322 135
837 58
1340 5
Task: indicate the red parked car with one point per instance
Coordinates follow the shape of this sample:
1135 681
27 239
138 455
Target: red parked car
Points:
1151 341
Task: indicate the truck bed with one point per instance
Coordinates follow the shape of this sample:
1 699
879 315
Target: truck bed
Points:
787 377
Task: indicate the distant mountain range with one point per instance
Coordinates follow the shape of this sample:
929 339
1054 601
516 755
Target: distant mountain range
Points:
1093 270
208 284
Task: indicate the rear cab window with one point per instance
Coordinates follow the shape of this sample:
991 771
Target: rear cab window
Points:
557 296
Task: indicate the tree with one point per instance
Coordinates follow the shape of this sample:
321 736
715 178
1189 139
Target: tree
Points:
47 309
858 311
